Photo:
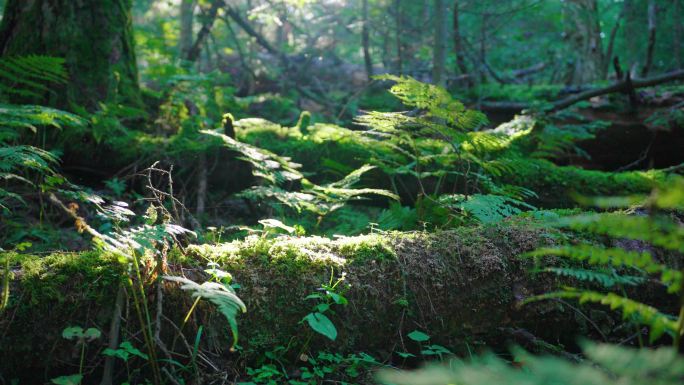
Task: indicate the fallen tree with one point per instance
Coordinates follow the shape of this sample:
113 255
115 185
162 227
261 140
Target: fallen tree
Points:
623 86
464 287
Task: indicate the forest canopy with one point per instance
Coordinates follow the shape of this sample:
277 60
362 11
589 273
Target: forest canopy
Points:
307 192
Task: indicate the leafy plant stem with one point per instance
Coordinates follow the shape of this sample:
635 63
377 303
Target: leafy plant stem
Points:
185 321
4 299
138 298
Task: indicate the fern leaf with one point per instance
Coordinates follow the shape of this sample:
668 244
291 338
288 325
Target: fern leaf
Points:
605 279
617 257
645 314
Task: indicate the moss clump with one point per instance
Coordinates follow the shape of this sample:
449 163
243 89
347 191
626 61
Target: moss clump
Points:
49 293
555 184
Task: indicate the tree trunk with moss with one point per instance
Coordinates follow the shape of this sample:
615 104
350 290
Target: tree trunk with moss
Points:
95 37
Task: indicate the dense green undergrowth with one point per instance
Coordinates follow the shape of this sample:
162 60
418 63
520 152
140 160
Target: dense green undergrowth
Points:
323 253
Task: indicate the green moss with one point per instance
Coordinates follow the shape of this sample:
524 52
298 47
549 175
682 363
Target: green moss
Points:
50 293
555 184
50 278
328 151
513 92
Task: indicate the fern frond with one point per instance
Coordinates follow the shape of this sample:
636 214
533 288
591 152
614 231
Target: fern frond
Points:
606 364
616 257
18 158
658 322
222 296
662 364
30 76
605 279
435 100
267 165
28 116
486 208
659 231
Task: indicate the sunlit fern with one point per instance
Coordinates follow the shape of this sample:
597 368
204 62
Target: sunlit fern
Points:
653 225
222 296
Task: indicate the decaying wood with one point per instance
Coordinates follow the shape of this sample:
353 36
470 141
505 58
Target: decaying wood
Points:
623 86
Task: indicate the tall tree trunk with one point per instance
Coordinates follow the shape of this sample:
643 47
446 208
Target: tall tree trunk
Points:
611 44
398 24
583 29
458 40
187 10
439 49
483 47
631 13
652 10
676 12
365 40
94 36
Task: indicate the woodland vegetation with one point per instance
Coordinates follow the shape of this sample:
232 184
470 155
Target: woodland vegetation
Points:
305 192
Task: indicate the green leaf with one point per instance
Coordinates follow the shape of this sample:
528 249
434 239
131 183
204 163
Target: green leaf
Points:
91 334
418 336
340 300
129 348
72 332
322 325
74 379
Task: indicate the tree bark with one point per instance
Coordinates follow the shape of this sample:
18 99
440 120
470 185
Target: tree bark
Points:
677 33
652 10
631 24
397 36
583 29
458 40
187 9
439 55
94 36
611 44
365 40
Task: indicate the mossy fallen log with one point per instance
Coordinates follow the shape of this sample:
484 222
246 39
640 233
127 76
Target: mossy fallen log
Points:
329 151
463 287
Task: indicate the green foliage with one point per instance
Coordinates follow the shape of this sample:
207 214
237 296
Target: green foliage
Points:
606 279
656 228
19 159
324 366
27 76
605 364
222 296
278 172
82 338
437 102
79 334
486 208
330 294
125 351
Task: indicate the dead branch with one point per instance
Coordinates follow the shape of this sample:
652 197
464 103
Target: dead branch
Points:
623 86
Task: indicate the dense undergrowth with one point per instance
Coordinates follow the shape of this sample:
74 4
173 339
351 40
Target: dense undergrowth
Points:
178 244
